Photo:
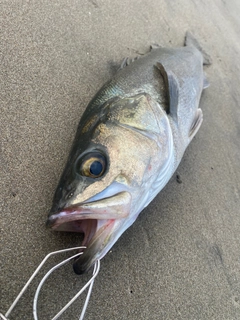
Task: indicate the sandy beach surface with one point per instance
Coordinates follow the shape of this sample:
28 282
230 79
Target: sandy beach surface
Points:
181 258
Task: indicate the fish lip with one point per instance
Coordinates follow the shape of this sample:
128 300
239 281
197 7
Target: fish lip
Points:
113 207
97 220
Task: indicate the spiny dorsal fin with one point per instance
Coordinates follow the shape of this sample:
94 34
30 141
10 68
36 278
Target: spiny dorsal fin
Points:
191 41
127 61
155 46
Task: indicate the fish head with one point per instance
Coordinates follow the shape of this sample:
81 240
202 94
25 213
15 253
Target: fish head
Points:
114 159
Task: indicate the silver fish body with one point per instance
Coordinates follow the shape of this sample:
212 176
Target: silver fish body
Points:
129 142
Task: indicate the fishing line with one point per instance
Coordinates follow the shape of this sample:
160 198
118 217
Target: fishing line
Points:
35 300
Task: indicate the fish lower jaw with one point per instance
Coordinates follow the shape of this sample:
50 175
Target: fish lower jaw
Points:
97 247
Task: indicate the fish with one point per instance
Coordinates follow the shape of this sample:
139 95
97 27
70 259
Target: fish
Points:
129 142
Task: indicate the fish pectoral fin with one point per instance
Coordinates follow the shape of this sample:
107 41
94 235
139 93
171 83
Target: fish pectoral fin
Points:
192 42
172 88
196 124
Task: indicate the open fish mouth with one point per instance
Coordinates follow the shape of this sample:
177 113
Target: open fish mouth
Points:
99 221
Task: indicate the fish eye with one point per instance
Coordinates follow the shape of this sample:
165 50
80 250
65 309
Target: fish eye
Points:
93 165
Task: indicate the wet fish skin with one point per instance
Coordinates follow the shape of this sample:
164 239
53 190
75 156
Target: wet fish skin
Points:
138 126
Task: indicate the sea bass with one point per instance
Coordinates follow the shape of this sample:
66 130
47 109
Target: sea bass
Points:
129 142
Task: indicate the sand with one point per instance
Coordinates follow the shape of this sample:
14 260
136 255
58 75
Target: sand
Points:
181 258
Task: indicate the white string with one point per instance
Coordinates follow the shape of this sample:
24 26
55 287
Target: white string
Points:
2 317
95 271
89 283
35 300
34 275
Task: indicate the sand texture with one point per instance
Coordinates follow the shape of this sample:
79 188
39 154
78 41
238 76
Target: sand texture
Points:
181 258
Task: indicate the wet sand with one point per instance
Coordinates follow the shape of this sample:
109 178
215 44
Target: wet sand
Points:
181 258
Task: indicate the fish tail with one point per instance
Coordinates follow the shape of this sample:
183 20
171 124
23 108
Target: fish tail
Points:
191 41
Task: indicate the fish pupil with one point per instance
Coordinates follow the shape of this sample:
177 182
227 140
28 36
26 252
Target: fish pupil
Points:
96 168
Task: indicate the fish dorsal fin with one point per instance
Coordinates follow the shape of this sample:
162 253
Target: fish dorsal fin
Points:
190 41
127 61
155 46
172 88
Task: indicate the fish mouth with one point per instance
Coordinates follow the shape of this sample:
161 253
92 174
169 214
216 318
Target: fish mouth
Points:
100 222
